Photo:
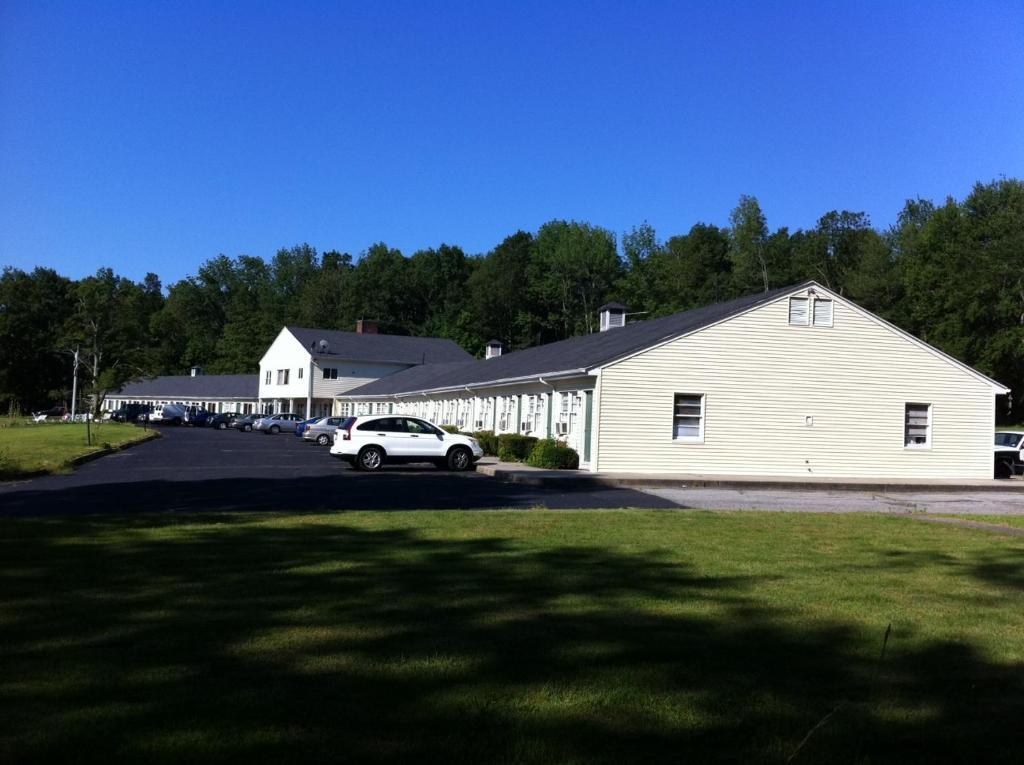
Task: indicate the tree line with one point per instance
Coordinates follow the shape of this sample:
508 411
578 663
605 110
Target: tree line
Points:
951 274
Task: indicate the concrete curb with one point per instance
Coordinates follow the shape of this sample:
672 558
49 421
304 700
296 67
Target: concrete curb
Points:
553 479
77 461
151 436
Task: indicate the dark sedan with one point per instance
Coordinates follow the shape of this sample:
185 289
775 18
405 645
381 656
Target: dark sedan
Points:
245 422
222 421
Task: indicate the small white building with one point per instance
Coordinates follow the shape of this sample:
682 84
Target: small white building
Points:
305 370
794 382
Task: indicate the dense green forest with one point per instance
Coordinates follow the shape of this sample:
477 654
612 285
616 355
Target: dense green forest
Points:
952 274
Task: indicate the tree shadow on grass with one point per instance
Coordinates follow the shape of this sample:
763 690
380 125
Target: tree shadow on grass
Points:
231 640
347 491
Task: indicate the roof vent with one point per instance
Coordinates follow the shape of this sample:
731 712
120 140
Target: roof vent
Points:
195 371
612 315
492 349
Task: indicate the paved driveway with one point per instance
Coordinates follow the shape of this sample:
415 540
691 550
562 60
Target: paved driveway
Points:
193 469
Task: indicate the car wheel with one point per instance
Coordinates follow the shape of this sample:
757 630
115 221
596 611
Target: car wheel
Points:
460 458
247 428
274 429
323 439
1004 469
176 421
370 458
222 426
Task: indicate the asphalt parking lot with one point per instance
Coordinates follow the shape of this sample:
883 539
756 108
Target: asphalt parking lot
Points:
197 469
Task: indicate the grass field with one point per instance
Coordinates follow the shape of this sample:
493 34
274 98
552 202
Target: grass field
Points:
1016 521
49 447
546 637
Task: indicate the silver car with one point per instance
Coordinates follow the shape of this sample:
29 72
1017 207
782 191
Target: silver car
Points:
322 431
275 423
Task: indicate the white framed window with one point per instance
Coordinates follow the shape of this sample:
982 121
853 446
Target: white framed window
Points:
917 426
330 373
300 373
822 312
799 311
282 376
688 417
266 381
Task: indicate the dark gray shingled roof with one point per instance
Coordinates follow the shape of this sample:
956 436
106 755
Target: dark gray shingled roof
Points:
194 388
576 353
368 346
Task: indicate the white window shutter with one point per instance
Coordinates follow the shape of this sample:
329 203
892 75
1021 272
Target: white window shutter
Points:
798 310
823 313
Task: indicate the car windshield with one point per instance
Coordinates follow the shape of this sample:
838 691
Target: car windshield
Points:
1008 439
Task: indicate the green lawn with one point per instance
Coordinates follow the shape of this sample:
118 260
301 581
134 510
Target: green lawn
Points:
1016 521
49 447
554 637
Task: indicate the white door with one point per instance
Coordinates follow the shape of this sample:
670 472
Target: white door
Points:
424 440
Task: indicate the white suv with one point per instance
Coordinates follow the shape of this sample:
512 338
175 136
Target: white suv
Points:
368 442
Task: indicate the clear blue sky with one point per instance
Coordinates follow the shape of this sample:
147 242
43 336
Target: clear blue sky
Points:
151 136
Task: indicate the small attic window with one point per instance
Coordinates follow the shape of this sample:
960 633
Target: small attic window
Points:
799 311
822 312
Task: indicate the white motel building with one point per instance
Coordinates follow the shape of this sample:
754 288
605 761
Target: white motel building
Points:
794 382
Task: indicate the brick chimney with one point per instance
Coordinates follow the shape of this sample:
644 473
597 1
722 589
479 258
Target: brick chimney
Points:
366 327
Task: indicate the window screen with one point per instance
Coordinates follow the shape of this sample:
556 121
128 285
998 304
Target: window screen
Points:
689 416
917 425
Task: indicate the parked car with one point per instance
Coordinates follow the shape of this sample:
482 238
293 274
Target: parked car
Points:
370 441
301 427
1009 454
244 423
322 431
275 423
175 414
54 411
221 421
197 416
130 412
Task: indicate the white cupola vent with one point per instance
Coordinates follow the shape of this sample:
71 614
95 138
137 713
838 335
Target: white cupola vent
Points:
612 315
493 349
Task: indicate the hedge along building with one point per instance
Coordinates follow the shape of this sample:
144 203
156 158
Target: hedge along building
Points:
794 382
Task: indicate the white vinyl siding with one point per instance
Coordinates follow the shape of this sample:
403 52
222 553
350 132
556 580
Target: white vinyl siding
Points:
798 307
917 426
688 417
822 312
766 380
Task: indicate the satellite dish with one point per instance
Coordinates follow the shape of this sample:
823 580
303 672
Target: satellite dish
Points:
323 346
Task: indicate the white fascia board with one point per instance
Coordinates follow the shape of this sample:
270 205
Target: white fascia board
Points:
997 387
472 386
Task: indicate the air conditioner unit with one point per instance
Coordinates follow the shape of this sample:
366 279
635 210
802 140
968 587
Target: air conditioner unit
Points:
561 428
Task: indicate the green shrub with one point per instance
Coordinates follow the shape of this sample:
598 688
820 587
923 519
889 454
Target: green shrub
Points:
450 428
513 447
488 441
552 455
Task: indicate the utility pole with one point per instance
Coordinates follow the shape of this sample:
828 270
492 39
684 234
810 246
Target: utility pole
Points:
74 387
